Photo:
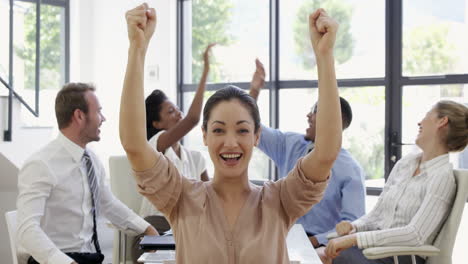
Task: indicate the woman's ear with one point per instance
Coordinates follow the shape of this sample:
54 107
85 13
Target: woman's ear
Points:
443 121
157 124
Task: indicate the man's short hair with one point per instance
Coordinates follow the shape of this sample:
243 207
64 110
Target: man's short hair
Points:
70 98
346 112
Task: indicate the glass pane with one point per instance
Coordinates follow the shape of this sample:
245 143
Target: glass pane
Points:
24 45
258 167
364 138
359 48
4 48
52 65
414 110
434 41
239 27
52 47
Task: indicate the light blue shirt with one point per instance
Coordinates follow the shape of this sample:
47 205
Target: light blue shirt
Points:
344 197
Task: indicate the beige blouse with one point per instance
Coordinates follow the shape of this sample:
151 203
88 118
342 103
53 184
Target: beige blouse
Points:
201 230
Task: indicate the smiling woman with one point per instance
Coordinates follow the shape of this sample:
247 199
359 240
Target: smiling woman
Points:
417 196
231 123
228 219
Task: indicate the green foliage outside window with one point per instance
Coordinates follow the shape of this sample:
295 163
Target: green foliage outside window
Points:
427 51
344 44
51 53
210 21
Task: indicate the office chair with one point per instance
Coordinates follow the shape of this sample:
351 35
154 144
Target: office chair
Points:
11 226
123 186
442 248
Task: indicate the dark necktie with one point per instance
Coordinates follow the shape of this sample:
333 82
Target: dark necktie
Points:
93 187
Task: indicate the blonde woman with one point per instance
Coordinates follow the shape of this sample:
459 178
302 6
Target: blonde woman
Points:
417 196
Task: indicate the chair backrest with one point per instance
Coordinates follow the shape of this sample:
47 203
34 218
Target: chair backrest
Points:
123 183
11 226
448 233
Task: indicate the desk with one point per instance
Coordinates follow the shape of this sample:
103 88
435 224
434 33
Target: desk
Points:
299 247
300 250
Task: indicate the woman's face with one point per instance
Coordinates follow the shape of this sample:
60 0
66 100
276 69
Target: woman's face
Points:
429 128
169 116
230 138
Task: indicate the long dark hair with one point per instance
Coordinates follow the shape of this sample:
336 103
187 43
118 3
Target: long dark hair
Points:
226 94
153 106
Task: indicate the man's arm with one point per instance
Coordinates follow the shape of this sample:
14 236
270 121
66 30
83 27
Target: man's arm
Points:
352 198
35 183
118 213
258 80
272 141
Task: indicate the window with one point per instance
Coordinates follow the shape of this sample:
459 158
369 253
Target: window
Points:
4 49
360 45
40 54
433 38
238 28
387 54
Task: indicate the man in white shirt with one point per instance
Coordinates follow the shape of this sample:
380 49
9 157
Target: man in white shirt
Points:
62 190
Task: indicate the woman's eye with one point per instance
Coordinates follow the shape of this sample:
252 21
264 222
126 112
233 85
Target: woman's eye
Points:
217 130
243 131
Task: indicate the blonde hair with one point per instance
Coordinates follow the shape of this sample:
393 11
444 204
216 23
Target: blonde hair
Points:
457 133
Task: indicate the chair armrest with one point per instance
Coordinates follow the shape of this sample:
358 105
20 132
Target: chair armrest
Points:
332 235
383 252
112 226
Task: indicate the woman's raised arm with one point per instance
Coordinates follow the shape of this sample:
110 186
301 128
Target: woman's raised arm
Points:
177 132
318 163
141 23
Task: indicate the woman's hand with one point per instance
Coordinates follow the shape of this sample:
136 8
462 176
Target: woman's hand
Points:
141 23
206 58
323 257
322 30
335 246
344 228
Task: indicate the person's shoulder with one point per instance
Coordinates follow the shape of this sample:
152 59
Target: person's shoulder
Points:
295 135
43 159
411 157
445 170
46 153
192 152
278 132
154 139
346 159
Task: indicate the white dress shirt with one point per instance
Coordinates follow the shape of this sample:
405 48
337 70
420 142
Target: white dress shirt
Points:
191 165
54 203
410 209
